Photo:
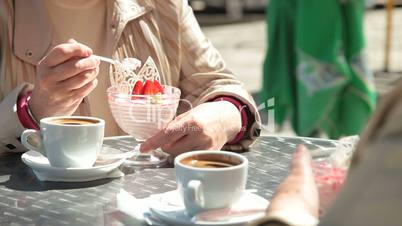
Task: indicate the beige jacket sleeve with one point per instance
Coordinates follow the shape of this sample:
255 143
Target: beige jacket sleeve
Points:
10 125
204 75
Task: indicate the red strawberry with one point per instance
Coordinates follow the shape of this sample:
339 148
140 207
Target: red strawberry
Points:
149 88
158 87
137 88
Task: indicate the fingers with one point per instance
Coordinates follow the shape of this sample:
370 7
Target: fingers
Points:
182 145
187 132
302 155
84 90
64 77
298 192
73 67
153 142
64 52
301 163
81 79
173 132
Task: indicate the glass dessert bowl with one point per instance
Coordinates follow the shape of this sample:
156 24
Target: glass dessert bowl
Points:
142 116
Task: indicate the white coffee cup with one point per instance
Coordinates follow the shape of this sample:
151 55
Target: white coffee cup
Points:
67 141
206 188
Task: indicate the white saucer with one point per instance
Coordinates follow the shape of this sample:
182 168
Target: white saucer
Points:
169 208
103 168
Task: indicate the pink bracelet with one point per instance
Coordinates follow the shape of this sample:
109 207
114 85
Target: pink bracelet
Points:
244 120
23 112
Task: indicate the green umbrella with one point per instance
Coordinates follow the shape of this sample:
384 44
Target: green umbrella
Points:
315 66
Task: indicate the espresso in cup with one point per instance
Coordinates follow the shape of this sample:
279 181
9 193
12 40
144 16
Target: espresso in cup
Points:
210 179
210 161
68 141
75 121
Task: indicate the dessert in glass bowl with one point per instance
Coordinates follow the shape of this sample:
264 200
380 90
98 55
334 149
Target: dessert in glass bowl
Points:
143 113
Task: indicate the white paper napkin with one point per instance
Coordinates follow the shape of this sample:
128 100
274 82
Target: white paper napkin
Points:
139 209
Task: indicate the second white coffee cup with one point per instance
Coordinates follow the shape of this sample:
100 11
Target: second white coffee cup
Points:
210 179
67 141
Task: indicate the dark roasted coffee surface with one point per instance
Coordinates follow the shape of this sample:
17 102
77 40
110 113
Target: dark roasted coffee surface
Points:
205 163
74 121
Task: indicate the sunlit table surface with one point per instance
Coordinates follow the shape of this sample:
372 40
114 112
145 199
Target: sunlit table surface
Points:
24 200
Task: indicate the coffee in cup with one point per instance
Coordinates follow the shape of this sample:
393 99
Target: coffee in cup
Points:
67 141
210 179
75 121
210 161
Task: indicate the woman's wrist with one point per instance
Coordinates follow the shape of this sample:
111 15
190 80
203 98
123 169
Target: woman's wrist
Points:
244 119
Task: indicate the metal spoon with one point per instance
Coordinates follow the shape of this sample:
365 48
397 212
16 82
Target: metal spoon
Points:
105 59
128 63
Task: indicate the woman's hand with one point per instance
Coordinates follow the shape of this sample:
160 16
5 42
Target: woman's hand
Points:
64 77
298 192
206 127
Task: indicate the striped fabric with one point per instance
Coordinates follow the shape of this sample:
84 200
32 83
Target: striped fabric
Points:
165 30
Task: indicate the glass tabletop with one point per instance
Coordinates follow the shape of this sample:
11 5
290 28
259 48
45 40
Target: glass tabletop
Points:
24 200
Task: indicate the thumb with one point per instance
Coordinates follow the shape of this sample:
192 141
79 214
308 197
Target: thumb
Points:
301 163
298 192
